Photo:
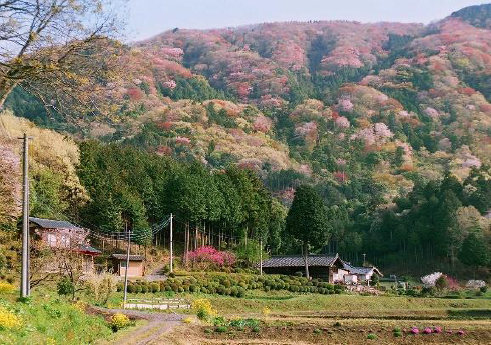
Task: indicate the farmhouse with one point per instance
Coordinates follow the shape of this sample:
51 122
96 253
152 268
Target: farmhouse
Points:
327 267
362 274
136 265
63 235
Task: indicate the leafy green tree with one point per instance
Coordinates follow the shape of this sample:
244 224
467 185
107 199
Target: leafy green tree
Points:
307 221
474 251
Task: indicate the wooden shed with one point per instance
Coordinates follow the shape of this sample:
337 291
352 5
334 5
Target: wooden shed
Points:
136 268
327 267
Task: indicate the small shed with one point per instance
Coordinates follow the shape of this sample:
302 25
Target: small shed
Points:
327 267
136 265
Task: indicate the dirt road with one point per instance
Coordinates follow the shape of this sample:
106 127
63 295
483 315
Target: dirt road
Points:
158 325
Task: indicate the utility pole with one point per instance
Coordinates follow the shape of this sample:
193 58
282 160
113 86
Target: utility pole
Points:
25 288
261 256
170 244
127 267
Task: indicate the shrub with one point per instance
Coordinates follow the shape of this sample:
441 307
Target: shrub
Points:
131 288
155 287
203 309
371 336
442 282
221 329
138 288
119 287
256 329
208 257
317 331
101 286
119 321
6 287
65 287
483 289
8 319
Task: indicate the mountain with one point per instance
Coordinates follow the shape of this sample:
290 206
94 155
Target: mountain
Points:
334 102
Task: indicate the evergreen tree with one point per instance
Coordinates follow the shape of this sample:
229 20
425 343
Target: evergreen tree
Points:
474 251
307 221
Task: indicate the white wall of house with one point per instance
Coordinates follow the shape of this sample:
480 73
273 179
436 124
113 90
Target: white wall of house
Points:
351 279
339 275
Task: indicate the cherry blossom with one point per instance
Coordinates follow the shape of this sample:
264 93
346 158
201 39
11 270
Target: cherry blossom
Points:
342 122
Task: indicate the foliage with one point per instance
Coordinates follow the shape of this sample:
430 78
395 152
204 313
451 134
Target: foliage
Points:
208 257
65 73
119 321
8 319
307 219
6 287
203 309
100 287
65 287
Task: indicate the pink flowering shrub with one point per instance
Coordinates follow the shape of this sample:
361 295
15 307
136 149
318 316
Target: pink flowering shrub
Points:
431 113
437 330
414 330
208 257
427 330
342 122
345 104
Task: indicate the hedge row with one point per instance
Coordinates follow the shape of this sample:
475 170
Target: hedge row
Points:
233 285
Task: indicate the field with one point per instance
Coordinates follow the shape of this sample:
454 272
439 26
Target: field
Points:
258 317
281 317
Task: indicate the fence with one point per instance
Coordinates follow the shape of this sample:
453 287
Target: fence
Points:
158 303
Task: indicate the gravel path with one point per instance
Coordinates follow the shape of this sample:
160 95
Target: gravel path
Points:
158 324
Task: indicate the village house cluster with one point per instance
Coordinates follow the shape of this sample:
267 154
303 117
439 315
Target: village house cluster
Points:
66 236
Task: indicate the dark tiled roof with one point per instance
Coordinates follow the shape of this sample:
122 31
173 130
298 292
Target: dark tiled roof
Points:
132 257
53 224
88 249
298 261
359 270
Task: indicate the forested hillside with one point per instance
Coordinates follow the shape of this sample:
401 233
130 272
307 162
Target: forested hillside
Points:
390 122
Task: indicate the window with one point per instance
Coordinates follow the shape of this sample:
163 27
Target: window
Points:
123 264
65 241
51 238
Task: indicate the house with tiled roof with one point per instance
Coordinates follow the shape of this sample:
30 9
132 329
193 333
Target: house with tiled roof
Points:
326 267
63 235
362 274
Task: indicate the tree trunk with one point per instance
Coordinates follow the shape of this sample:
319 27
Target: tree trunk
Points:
305 258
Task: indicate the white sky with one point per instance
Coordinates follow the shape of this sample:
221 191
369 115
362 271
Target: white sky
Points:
150 17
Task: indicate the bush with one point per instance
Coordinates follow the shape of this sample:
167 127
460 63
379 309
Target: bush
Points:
203 309
101 286
221 329
371 336
65 287
441 283
483 289
6 287
155 287
8 319
119 321
138 288
131 288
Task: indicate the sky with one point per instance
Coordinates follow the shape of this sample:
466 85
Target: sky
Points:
151 17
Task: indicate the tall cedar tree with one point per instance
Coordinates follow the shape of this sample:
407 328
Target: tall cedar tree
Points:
307 221
474 251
